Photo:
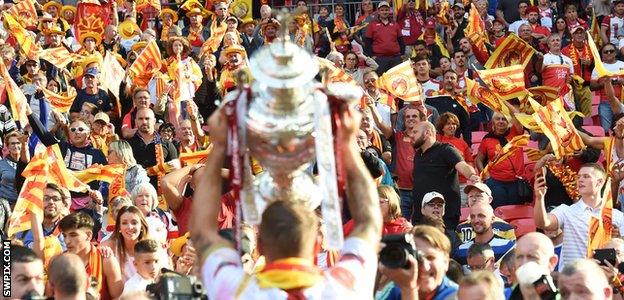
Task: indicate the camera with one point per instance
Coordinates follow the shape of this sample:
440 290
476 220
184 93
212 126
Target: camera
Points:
173 285
397 248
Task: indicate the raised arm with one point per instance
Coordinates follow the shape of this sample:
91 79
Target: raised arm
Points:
543 220
207 196
362 196
386 130
173 184
614 102
42 133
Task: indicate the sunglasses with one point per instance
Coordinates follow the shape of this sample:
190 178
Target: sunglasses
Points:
608 51
79 129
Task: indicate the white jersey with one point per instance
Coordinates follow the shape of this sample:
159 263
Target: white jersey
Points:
352 277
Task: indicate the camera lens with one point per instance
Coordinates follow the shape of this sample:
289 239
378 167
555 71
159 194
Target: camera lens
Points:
393 257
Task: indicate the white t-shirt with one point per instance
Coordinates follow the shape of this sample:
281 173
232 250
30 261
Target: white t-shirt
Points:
352 277
136 283
430 87
617 66
574 221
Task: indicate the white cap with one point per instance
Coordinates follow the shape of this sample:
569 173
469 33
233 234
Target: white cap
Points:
479 186
430 196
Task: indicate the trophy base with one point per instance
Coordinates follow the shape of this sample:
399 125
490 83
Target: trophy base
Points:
298 187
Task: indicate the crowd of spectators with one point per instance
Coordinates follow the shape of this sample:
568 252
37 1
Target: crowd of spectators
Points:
421 170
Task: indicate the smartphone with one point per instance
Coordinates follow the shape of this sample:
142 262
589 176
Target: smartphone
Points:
605 255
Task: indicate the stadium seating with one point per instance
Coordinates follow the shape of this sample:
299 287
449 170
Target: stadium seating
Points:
465 214
514 212
523 226
595 130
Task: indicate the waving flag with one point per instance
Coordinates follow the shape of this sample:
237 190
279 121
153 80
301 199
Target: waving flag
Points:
509 149
192 158
92 16
475 30
512 51
21 35
481 94
334 73
144 4
557 126
112 76
148 61
58 56
17 99
600 229
60 103
401 82
507 83
25 12
599 66
544 94
217 32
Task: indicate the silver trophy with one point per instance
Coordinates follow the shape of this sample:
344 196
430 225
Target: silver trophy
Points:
287 126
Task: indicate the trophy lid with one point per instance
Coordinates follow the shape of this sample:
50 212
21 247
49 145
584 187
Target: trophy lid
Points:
283 64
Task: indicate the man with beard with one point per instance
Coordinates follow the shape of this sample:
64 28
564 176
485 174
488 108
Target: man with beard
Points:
481 219
146 140
438 167
447 101
459 13
539 32
402 151
140 99
55 204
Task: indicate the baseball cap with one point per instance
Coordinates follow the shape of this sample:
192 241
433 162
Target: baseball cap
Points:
532 8
479 186
430 196
92 72
101 116
430 24
383 3
577 27
458 4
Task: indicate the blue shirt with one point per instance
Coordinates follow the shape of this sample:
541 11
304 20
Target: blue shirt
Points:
7 180
446 290
500 246
28 239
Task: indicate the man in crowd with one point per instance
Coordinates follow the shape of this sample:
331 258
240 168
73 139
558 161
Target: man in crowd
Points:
574 219
438 167
288 231
54 206
584 279
533 247
67 277
384 41
92 93
27 276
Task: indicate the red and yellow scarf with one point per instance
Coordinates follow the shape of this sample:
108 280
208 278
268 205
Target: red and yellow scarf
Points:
94 267
289 273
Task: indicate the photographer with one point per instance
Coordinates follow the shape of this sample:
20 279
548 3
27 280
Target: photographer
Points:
425 278
537 248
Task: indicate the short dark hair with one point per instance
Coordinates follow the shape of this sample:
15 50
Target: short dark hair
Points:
287 228
21 254
478 249
77 220
146 246
138 90
419 57
57 188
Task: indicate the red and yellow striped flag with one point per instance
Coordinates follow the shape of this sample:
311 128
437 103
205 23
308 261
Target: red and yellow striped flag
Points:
512 51
557 126
106 173
534 154
30 198
59 173
481 94
600 229
25 12
58 56
475 31
21 35
334 73
17 99
507 83
148 61
60 103
401 82
509 149
609 144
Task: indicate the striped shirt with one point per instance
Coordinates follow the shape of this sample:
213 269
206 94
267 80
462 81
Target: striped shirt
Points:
500 246
574 221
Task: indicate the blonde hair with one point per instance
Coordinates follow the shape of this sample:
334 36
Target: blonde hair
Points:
433 236
493 286
124 150
394 203
149 188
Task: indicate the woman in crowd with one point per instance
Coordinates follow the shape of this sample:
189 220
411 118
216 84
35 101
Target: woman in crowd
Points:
114 206
130 227
446 127
389 203
352 66
120 152
560 27
160 223
504 177
17 147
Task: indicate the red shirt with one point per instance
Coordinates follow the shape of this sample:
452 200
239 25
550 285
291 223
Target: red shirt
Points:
225 219
411 24
404 160
396 226
385 38
576 55
508 168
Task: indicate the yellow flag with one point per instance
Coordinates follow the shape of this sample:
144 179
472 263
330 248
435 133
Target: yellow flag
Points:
25 41
509 149
557 126
600 68
401 82
17 99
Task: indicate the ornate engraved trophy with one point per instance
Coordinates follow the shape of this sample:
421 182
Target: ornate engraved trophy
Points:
284 120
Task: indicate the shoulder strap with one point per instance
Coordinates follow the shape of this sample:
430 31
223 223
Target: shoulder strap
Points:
242 286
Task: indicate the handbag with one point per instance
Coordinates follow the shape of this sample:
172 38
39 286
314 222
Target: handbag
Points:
525 190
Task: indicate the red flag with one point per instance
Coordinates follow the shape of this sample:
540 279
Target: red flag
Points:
25 13
91 16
